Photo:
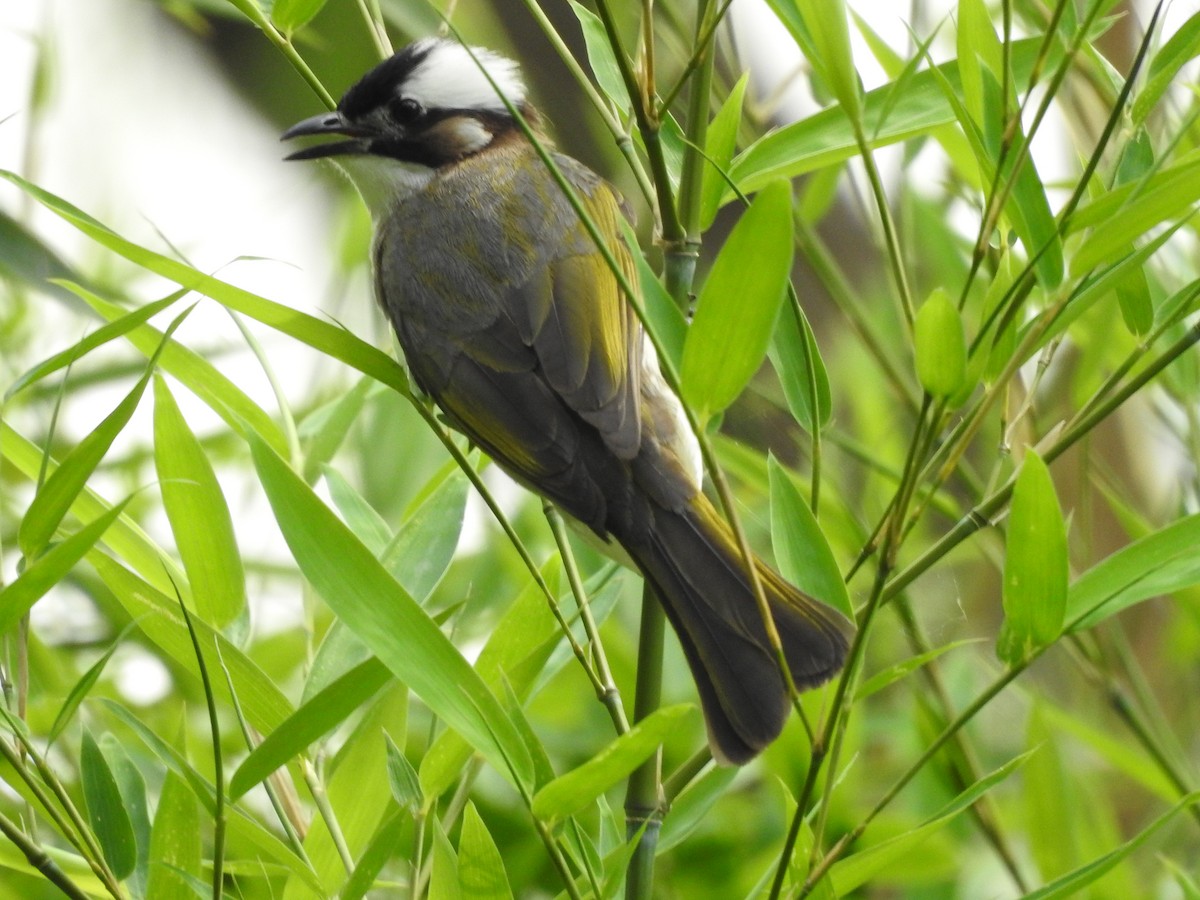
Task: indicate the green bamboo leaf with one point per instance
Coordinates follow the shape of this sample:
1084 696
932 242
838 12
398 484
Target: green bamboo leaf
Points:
174 842
50 568
383 615
721 144
739 303
793 351
198 375
1050 814
1180 49
329 339
132 788
403 779
359 515
357 785
690 808
1073 882
383 847
66 482
1133 299
515 654
1035 564
107 815
975 38
572 792
241 827
83 686
110 331
600 55
325 428
481 872
1126 213
157 617
858 869
1157 564
889 116
904 668
292 15
316 717
940 345
829 30
443 879
801 550
422 550
198 514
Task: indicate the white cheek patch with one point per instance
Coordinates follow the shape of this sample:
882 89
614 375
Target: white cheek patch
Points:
469 135
383 181
448 78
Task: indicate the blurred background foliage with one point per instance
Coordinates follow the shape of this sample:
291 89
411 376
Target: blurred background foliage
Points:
159 119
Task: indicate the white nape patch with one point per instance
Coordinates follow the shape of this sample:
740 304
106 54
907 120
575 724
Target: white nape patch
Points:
448 78
382 181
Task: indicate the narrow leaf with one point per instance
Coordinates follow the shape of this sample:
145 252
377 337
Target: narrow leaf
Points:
1180 49
318 716
739 303
600 55
50 568
422 550
290 15
1035 564
384 846
481 872
117 328
132 788
722 142
855 871
801 549
443 880
798 363
888 116
106 810
198 514
403 778
83 686
383 615
1070 884
572 792
65 483
1158 564
174 842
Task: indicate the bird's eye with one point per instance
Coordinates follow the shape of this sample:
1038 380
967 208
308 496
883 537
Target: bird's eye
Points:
406 110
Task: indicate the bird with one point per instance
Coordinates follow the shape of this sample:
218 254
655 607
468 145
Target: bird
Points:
513 323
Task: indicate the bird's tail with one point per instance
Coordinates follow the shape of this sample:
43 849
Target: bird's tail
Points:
692 561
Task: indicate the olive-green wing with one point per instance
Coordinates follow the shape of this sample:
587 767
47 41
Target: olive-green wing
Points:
581 326
550 386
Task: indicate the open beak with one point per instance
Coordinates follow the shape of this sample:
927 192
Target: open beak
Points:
327 124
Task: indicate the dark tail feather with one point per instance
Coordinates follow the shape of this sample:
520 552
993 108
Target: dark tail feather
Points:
691 560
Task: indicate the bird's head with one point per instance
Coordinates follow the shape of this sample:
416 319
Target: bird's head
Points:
429 106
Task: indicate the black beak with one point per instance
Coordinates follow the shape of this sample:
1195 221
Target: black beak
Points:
331 123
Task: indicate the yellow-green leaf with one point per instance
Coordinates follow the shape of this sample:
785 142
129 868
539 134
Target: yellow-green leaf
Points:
198 514
739 303
573 791
1035 564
